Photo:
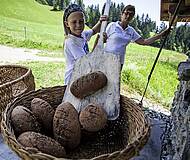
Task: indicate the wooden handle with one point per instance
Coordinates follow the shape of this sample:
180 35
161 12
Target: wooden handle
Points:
104 23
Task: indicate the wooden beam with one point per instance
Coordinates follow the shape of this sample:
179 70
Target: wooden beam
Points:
184 10
187 2
168 7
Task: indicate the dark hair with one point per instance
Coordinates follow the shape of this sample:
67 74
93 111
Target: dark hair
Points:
128 7
70 9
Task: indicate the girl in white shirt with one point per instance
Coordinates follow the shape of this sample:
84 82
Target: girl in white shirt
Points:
119 34
75 45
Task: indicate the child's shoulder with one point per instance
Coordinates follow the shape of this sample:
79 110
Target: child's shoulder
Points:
69 41
87 32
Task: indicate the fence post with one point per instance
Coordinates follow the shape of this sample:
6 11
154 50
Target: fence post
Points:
25 33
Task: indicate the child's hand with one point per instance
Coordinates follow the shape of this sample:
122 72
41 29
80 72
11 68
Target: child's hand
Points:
103 18
105 37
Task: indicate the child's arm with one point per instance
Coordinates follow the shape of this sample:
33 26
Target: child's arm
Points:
97 38
97 26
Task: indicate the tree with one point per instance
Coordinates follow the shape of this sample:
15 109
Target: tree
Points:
44 2
55 4
91 15
186 38
180 34
80 3
170 41
134 24
144 26
122 6
158 30
66 3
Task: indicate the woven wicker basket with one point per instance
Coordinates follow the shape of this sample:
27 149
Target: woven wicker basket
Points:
120 140
14 81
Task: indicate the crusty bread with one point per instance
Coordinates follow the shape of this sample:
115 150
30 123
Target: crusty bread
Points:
88 84
23 120
42 143
93 118
66 126
43 112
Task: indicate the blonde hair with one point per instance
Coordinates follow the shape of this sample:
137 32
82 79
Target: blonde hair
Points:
70 9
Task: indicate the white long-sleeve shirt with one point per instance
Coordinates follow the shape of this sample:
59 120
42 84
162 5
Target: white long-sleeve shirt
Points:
75 48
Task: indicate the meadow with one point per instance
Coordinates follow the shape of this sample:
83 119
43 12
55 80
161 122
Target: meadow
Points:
31 25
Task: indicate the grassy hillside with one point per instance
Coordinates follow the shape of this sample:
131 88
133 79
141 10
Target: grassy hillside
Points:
30 11
31 22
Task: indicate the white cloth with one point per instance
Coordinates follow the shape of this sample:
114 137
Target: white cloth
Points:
118 39
75 48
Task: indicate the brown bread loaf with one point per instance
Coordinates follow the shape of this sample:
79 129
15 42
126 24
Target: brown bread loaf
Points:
23 120
93 118
66 126
42 143
43 112
88 84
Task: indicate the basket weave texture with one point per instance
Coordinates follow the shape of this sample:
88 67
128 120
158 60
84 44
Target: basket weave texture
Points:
14 81
120 140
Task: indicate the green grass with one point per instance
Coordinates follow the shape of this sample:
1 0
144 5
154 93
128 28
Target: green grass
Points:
163 82
47 74
29 11
31 25
10 41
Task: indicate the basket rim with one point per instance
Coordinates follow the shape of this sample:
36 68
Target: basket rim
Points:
29 71
131 145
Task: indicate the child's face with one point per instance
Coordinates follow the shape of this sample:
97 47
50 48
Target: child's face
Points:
127 16
75 22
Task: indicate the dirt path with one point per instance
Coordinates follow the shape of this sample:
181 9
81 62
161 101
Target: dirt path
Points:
13 55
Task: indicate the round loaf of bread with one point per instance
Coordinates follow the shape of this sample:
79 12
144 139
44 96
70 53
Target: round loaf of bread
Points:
93 118
43 112
42 143
23 120
88 84
66 126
